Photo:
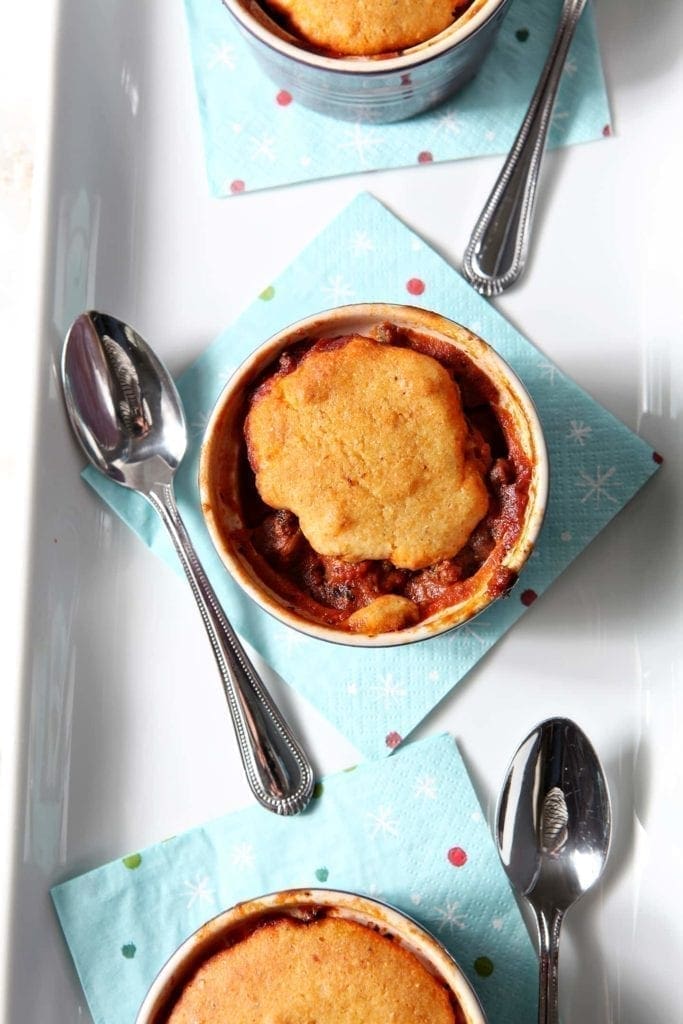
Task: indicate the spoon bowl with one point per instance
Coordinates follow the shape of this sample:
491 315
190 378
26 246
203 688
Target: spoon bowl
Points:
553 828
126 412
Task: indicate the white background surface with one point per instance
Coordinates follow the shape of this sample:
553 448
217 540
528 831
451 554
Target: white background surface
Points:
114 731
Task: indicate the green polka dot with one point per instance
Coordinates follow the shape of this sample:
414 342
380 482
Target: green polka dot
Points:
318 790
128 950
483 966
322 874
132 861
267 293
522 34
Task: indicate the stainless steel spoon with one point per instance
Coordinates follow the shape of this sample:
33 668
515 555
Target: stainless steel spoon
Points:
497 251
127 415
553 831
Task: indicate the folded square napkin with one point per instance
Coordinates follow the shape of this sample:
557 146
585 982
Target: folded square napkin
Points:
377 697
256 137
408 831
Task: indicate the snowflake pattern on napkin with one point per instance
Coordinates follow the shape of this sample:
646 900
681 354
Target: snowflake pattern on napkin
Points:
408 831
377 697
256 136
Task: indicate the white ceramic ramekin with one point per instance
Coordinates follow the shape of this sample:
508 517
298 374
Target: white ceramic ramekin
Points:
300 903
219 475
374 89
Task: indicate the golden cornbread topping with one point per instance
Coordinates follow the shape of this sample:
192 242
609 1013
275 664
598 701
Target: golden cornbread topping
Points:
328 970
380 475
364 27
368 446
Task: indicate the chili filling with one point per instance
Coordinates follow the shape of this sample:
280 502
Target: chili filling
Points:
327 589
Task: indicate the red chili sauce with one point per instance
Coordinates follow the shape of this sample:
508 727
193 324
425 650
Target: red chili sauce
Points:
328 589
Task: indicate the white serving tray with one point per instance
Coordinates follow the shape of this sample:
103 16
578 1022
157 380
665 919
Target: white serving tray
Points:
115 733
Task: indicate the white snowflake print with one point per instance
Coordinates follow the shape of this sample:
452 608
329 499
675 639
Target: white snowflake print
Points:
597 486
237 127
476 816
490 136
223 375
558 118
199 424
197 891
242 855
448 124
450 916
389 690
382 823
222 55
426 787
373 891
362 243
579 431
497 923
352 689
337 290
473 632
363 141
305 161
547 371
434 675
416 899
569 67
417 245
262 146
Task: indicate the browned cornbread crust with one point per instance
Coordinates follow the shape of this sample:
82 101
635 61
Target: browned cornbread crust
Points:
368 445
366 27
331 971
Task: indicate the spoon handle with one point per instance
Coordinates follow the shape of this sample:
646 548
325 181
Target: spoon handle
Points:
497 250
278 771
549 925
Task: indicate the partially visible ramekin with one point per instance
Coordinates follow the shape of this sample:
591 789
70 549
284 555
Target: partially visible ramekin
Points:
377 89
220 482
302 904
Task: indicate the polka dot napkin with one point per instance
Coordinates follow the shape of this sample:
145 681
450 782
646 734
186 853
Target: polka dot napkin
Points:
407 831
256 136
377 697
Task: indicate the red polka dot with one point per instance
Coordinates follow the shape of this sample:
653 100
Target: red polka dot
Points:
415 286
406 80
528 597
457 856
659 459
284 98
392 740
237 186
425 157
607 131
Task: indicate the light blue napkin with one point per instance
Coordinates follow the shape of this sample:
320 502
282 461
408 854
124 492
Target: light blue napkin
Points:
376 697
408 831
255 137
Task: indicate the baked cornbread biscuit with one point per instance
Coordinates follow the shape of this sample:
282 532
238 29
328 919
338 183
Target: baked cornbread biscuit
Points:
368 445
330 971
366 27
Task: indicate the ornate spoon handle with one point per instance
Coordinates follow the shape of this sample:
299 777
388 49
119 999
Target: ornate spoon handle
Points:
497 251
278 771
549 925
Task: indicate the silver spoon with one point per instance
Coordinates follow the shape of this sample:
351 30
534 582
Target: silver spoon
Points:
127 415
553 831
497 251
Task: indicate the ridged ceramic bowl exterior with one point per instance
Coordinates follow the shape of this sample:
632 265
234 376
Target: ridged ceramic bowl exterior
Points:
373 89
